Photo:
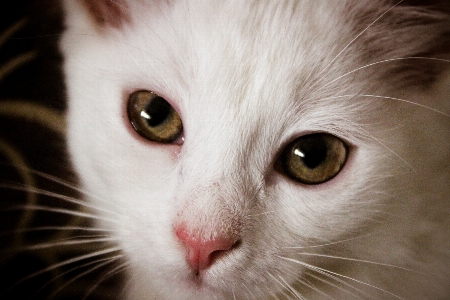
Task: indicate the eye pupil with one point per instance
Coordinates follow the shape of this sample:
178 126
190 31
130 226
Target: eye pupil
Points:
156 112
312 152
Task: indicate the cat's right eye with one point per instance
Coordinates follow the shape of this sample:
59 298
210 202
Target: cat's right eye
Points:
153 117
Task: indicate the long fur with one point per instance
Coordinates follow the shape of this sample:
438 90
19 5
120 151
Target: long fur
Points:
247 77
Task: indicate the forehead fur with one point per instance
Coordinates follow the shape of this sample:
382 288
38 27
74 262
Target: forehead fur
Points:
373 28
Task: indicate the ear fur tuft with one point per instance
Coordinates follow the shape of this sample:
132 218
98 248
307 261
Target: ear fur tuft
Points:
112 13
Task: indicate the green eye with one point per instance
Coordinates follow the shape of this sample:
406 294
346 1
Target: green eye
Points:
153 117
314 158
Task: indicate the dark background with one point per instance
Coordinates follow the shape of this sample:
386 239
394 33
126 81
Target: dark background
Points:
39 81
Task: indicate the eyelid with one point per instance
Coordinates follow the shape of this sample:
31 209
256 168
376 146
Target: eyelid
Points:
128 91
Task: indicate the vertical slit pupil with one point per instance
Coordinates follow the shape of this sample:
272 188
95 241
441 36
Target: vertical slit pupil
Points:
158 110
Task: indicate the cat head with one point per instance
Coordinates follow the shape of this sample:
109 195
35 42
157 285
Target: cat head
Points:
280 128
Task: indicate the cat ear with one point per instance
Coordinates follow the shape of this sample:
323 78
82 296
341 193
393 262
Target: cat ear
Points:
112 13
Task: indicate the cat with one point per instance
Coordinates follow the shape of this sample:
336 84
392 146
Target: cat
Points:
292 149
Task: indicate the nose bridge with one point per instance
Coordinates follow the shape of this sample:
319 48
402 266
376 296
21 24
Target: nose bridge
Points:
212 185
209 211
215 150
218 173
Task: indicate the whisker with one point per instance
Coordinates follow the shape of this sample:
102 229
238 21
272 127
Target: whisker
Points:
108 261
56 228
9 32
50 118
385 61
291 289
357 37
109 274
60 211
62 182
64 243
337 286
363 261
248 290
284 287
312 287
409 102
382 144
389 98
56 196
56 277
17 159
68 262
15 63
270 291
332 243
312 267
84 237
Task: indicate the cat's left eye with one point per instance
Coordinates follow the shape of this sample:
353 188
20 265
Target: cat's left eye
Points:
314 158
153 117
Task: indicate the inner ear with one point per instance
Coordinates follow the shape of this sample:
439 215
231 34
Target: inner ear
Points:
108 13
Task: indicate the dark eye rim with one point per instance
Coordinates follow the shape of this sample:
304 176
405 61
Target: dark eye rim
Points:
131 126
279 167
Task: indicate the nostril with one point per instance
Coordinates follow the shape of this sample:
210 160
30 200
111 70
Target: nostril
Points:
213 256
201 253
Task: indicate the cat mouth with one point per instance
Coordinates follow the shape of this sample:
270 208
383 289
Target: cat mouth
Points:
199 278
199 283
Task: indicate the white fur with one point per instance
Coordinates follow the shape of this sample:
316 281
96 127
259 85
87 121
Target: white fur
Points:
247 77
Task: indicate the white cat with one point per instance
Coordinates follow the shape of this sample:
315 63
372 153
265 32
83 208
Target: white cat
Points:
266 149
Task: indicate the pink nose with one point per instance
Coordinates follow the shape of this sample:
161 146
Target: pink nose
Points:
202 253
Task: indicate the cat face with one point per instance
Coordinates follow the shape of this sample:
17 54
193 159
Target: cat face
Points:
233 147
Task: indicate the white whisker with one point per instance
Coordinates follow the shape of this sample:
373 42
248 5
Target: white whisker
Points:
330 243
56 277
328 282
70 261
315 268
56 196
312 287
62 182
284 287
385 61
291 289
407 101
108 261
57 244
383 145
61 211
56 228
109 274
363 261
357 37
